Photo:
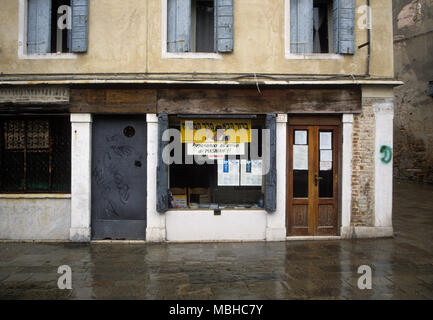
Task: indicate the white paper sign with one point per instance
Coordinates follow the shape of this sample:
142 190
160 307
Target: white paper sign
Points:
216 156
325 140
215 149
300 157
325 165
228 173
251 172
326 155
300 136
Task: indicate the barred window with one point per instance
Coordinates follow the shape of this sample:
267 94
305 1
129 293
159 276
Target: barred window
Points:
35 155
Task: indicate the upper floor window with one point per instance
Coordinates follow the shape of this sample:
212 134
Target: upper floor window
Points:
56 26
322 26
199 25
43 32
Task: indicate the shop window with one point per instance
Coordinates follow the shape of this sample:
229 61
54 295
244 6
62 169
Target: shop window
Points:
56 26
229 172
199 26
35 155
322 26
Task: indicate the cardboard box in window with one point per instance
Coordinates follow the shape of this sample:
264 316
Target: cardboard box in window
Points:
180 201
199 195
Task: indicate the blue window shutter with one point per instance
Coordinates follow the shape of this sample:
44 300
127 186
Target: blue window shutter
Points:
162 169
39 26
271 176
224 25
301 26
80 25
344 26
178 25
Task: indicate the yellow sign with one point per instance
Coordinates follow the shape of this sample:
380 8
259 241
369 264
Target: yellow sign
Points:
216 131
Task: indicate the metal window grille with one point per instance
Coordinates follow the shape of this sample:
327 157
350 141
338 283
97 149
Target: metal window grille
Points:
35 155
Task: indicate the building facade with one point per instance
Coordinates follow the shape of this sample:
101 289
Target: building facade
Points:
413 125
196 120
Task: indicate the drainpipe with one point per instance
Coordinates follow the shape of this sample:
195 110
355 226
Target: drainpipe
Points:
368 43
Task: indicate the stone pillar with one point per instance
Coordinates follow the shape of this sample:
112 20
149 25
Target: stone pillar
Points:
384 114
81 150
371 215
346 190
276 221
155 231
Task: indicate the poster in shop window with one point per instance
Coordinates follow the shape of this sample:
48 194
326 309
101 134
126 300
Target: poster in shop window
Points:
251 172
216 131
228 173
215 149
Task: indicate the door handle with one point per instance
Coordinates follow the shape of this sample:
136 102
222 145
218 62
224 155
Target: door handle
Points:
317 179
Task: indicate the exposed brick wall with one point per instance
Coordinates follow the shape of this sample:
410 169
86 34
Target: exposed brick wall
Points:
363 166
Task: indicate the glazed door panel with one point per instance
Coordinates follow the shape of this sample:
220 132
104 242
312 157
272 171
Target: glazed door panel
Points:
119 178
312 206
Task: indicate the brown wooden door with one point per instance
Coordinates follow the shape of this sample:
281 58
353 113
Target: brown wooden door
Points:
312 206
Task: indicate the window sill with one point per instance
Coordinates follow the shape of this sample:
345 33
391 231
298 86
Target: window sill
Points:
314 56
47 56
228 210
191 55
35 196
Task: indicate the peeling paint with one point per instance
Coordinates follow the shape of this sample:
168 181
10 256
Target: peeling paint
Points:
413 122
411 14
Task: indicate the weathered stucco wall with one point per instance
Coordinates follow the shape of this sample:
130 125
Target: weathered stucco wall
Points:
24 218
125 36
117 40
413 122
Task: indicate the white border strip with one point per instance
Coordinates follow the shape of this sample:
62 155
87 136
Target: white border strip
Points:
222 82
313 238
5 196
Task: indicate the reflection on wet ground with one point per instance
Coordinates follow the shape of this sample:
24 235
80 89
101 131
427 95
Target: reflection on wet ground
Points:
402 267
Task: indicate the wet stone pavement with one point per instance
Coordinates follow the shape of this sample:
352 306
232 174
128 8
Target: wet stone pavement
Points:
402 267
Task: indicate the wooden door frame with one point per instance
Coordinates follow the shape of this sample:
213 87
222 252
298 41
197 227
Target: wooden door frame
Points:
325 120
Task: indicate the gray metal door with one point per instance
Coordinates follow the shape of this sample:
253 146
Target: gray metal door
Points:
119 178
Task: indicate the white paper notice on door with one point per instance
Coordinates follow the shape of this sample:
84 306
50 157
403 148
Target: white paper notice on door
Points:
228 173
300 136
325 140
326 155
325 165
300 157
